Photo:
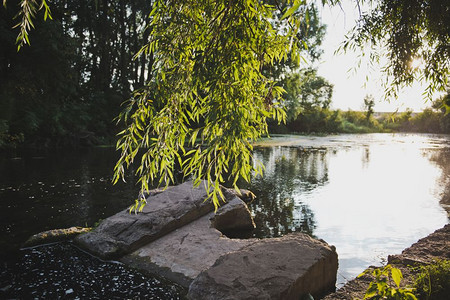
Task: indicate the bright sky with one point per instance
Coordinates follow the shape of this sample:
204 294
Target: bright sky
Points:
349 89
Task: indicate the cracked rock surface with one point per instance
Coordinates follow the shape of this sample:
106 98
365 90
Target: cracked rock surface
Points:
184 253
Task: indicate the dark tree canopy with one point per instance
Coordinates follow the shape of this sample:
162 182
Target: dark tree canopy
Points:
67 87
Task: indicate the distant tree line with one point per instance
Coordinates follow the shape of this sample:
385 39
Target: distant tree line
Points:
320 119
434 119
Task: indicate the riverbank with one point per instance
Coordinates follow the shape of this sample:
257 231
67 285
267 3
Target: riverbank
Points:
435 246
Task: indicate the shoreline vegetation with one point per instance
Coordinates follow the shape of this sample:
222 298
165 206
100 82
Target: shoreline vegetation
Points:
429 257
325 121
321 122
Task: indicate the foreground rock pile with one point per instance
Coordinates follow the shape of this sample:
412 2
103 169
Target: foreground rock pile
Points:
179 237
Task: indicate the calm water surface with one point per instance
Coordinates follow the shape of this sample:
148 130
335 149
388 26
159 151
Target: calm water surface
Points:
43 191
369 195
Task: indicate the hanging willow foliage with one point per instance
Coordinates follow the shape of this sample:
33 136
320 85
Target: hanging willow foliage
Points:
28 9
414 36
207 99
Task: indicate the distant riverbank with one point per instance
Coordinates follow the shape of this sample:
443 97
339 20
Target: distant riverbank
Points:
326 121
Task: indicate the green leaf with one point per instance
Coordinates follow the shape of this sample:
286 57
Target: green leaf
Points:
396 276
410 296
371 291
291 10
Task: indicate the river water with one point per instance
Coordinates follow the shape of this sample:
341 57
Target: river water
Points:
369 195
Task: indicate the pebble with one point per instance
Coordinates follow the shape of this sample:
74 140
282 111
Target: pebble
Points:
61 270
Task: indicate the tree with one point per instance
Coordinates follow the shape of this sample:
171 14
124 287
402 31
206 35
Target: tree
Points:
38 85
206 85
443 103
306 92
207 90
67 88
311 32
369 103
204 79
414 36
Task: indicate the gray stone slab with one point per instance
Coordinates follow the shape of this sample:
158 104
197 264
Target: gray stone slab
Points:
174 237
124 232
278 268
234 216
184 253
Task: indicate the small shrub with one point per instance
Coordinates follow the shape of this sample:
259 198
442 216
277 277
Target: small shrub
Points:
433 281
381 287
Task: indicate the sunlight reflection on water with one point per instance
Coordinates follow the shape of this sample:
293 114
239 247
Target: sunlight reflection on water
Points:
369 195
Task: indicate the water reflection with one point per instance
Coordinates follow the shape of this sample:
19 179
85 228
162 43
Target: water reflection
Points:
365 158
289 171
369 195
442 160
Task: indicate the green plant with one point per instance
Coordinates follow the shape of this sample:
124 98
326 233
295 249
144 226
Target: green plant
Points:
433 281
96 224
381 287
210 88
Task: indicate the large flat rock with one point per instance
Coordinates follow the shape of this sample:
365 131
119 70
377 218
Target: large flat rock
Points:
179 237
184 253
124 233
277 268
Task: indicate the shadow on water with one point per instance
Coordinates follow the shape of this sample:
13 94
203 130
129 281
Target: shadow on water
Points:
59 190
